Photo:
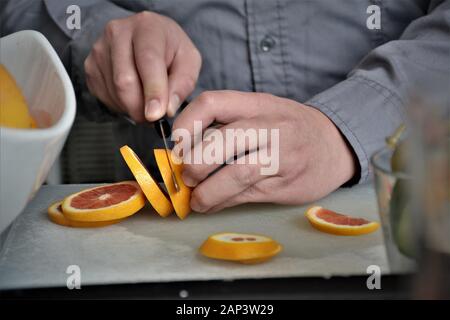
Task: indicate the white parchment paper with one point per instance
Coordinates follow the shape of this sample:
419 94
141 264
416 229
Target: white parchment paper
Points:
147 248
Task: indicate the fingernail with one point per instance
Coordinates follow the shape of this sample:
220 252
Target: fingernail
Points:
153 109
188 180
174 104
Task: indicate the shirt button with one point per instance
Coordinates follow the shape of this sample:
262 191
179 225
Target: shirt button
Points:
267 43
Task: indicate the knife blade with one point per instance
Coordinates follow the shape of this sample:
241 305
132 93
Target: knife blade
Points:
163 130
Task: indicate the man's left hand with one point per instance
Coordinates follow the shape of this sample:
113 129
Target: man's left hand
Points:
314 158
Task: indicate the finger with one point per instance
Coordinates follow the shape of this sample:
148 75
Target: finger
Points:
220 106
183 76
101 54
262 192
152 69
254 193
224 184
220 146
96 84
127 84
240 198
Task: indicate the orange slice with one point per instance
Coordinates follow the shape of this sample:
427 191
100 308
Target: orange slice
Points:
180 199
240 247
155 195
104 203
335 223
55 214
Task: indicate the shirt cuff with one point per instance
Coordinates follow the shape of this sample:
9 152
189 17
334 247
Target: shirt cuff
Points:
365 112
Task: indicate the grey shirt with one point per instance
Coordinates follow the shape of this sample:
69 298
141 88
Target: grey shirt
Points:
319 52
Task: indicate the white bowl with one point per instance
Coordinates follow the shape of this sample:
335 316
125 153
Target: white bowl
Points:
26 156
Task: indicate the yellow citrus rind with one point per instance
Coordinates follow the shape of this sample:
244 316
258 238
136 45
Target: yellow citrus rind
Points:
222 246
149 186
14 111
180 199
56 216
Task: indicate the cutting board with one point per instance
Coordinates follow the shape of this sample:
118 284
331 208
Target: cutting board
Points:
146 248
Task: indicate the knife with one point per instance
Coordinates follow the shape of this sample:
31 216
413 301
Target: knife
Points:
163 130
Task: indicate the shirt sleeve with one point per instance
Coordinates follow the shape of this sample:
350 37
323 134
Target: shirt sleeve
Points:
371 103
72 45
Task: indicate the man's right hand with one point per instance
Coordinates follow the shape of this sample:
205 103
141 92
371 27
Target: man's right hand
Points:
144 65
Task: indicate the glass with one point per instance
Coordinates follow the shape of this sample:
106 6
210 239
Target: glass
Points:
431 166
394 204
414 208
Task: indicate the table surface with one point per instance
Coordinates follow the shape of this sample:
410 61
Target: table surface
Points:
35 253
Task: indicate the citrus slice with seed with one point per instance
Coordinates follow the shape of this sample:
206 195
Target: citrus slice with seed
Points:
240 247
335 223
181 198
104 203
55 214
155 195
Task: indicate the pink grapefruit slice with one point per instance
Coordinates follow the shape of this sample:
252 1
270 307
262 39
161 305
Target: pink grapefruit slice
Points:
240 247
155 195
339 224
55 215
181 198
104 203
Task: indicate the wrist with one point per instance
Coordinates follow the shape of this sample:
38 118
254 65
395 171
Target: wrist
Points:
342 158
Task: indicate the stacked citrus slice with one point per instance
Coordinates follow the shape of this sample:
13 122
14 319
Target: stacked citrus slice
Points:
109 204
240 247
56 215
181 198
155 195
163 202
335 223
97 207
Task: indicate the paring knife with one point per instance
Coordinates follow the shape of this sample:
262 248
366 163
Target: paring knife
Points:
163 130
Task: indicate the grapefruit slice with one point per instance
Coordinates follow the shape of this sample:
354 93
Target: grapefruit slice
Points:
14 111
155 195
55 214
240 247
104 203
180 199
335 223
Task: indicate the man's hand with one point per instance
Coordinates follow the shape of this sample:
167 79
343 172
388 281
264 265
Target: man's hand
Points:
314 158
144 65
